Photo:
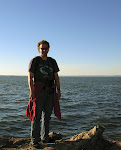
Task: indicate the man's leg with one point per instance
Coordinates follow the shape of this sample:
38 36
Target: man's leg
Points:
47 111
35 130
35 125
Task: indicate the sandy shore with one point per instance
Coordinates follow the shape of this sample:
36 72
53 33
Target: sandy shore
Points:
90 140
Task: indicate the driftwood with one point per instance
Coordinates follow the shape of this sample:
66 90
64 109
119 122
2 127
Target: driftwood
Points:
91 140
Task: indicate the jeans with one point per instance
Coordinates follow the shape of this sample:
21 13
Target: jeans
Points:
44 107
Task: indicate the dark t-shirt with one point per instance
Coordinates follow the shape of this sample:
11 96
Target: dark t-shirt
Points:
43 69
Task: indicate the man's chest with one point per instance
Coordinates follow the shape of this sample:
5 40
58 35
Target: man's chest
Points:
45 68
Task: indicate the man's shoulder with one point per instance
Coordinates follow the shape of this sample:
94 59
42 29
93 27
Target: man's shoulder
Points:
35 58
51 59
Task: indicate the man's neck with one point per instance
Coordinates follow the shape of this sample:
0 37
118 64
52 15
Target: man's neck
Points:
44 57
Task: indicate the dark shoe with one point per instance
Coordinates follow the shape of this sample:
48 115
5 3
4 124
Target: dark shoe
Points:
48 141
36 145
44 141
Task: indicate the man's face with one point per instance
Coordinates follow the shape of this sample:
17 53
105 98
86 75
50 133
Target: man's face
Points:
43 49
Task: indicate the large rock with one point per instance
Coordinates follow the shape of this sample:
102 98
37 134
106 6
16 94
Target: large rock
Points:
55 136
96 131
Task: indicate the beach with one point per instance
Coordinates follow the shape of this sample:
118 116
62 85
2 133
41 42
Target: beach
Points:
89 140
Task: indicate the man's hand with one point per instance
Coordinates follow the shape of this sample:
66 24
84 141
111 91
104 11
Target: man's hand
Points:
59 95
32 96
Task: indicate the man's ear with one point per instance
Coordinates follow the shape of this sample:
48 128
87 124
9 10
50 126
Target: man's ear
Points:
48 50
38 49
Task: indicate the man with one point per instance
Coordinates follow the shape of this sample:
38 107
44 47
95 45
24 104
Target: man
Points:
44 70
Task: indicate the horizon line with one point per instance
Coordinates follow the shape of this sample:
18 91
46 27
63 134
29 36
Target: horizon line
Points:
73 75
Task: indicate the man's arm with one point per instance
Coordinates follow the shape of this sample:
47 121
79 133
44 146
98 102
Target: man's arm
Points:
58 84
30 82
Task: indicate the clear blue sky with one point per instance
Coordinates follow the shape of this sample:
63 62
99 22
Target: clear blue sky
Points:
84 35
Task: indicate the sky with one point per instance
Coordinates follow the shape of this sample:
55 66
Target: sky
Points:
84 35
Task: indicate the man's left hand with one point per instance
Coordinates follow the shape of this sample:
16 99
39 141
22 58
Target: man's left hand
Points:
59 95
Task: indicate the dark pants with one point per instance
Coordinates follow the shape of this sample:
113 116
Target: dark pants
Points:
44 107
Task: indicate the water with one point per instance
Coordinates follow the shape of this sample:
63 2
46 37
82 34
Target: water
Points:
85 102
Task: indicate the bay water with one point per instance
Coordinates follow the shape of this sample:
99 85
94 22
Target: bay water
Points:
85 102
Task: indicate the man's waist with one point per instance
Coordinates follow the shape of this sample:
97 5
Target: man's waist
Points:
48 83
40 86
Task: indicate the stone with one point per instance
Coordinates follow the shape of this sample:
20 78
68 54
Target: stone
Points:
55 135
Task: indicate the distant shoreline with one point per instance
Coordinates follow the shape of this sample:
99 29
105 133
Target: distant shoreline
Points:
68 76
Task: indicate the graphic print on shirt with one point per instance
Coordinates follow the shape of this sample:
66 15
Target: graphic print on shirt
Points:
45 70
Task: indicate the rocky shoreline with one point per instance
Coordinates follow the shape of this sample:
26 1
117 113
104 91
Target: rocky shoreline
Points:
90 140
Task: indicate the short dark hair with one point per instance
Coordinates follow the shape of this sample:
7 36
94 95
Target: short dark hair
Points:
43 42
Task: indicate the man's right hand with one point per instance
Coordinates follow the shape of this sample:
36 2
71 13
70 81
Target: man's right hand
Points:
32 96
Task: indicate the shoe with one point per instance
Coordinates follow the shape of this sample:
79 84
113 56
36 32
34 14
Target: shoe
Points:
36 145
44 141
48 141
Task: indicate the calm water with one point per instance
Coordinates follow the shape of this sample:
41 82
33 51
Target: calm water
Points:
85 102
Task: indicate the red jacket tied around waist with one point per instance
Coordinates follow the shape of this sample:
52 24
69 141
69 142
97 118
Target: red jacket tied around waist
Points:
31 107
